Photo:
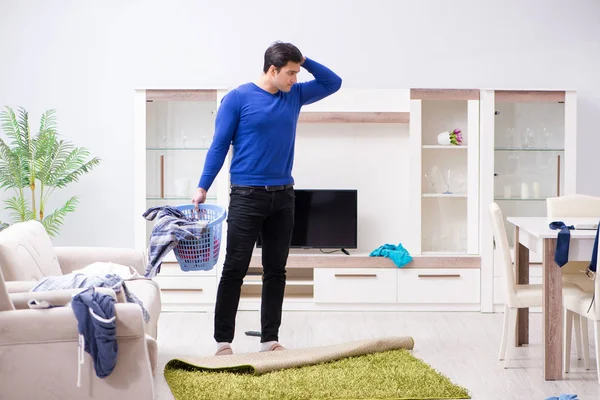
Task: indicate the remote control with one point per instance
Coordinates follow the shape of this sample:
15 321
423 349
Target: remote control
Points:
253 333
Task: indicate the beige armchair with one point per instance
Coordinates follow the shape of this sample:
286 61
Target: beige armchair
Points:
39 352
27 255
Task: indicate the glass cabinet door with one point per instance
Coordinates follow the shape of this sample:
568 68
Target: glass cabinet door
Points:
179 131
529 155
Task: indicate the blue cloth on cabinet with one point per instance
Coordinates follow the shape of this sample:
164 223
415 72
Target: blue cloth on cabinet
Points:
397 253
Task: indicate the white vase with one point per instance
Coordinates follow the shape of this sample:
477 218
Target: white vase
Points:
444 138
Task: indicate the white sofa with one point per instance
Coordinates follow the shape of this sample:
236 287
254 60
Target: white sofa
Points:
39 347
27 255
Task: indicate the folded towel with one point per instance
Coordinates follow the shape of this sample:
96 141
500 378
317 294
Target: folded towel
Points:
397 254
564 397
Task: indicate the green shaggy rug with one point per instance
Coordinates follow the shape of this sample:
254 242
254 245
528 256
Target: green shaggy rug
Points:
385 374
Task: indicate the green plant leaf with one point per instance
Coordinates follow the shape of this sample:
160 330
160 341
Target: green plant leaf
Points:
12 128
33 166
54 221
12 174
19 209
72 175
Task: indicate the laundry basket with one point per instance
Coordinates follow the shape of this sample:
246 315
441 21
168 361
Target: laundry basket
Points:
201 254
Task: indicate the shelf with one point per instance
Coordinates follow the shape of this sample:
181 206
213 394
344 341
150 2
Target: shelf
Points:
443 253
519 199
426 260
527 150
444 94
182 95
445 147
529 96
177 148
354 117
454 195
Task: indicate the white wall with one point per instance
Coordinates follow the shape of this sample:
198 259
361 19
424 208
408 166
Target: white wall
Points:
371 158
86 59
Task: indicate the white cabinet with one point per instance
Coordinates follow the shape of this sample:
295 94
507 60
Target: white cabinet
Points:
446 286
528 153
173 131
444 184
355 285
194 291
518 148
431 289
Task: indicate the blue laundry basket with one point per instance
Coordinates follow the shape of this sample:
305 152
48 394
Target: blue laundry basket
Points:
201 254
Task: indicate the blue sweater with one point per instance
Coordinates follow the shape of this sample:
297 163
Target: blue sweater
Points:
262 128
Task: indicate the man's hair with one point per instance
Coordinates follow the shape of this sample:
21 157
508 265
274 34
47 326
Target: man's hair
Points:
279 54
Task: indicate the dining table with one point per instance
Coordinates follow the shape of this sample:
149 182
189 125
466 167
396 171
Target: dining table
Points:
533 234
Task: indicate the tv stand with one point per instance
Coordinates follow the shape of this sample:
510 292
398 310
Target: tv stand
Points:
345 251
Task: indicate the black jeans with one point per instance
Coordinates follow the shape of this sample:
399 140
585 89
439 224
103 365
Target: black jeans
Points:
255 211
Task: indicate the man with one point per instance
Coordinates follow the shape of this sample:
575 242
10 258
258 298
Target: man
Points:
259 119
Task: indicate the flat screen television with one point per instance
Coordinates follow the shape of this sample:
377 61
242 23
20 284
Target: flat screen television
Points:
325 219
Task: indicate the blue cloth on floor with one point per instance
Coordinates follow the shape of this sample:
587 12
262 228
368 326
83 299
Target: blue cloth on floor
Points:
398 254
564 397
561 256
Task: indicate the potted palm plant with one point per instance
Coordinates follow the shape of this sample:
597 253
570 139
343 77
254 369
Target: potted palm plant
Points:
34 166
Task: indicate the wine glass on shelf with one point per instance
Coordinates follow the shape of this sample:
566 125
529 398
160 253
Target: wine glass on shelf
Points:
529 137
430 183
203 139
461 182
510 136
184 138
447 179
546 136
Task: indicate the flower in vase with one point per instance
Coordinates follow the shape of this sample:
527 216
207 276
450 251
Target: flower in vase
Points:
452 137
457 136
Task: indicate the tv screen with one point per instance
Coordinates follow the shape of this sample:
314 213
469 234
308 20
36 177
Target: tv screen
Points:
325 218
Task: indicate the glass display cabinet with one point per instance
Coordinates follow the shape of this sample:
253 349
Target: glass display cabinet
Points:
445 139
528 150
176 128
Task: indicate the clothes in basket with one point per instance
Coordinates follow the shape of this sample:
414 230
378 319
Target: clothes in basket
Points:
170 227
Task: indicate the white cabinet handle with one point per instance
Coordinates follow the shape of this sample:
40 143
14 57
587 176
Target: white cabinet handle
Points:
439 276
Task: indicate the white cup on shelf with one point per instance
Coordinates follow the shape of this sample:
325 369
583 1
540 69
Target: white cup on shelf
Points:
536 190
524 190
507 192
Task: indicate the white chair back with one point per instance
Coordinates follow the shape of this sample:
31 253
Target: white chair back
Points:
502 247
576 205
